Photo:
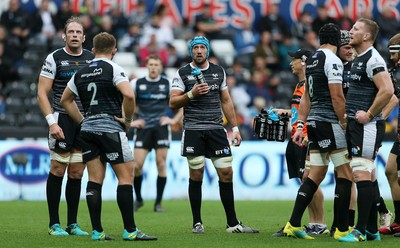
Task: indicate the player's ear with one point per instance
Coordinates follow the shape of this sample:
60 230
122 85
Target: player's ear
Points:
63 37
84 37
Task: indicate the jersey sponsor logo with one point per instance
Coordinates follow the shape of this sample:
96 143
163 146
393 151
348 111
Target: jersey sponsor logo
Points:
324 143
142 87
215 75
190 149
162 87
311 124
356 77
359 65
96 72
66 74
64 63
314 64
62 145
191 77
164 142
226 151
25 164
214 87
112 156
45 69
139 143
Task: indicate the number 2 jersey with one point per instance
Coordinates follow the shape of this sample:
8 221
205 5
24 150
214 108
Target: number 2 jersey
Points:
96 84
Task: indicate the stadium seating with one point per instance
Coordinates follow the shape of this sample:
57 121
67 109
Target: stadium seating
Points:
223 49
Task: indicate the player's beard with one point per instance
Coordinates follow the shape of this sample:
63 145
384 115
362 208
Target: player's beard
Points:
200 61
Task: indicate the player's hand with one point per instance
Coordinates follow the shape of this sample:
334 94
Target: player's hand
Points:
140 123
200 89
56 132
165 120
298 137
236 138
362 117
305 141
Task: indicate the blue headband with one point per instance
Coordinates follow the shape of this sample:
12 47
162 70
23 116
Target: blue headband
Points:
199 40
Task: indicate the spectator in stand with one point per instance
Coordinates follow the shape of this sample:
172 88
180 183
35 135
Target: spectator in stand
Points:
63 14
245 41
131 40
88 8
345 22
106 25
43 24
311 41
321 19
268 49
164 35
91 29
258 87
16 20
166 19
139 15
288 44
302 26
388 25
152 48
174 60
260 64
184 30
119 21
206 25
241 74
7 72
274 23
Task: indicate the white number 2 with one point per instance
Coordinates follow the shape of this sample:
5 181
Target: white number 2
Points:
92 86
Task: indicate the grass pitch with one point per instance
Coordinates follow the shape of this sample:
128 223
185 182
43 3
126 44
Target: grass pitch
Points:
24 224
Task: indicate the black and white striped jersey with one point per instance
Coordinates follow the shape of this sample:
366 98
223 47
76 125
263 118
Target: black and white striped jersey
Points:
203 112
152 99
323 68
61 66
96 84
362 91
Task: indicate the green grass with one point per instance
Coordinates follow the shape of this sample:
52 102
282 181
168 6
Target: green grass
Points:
24 224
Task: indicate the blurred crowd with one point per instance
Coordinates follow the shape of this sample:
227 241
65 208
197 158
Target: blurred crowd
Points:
259 76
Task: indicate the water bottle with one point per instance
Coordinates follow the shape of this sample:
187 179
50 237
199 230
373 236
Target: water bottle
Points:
281 128
196 72
271 130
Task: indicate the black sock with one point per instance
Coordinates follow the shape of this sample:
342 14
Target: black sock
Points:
227 199
304 197
396 205
342 201
72 195
161 181
125 204
382 209
53 193
195 200
372 224
93 200
137 184
352 214
364 203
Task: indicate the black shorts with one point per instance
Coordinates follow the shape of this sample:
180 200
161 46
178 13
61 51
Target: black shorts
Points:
208 143
325 136
365 139
111 147
395 148
155 137
295 159
71 133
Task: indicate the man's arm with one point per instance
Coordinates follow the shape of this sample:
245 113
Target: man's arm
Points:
128 103
69 104
385 92
44 87
394 101
338 101
229 112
